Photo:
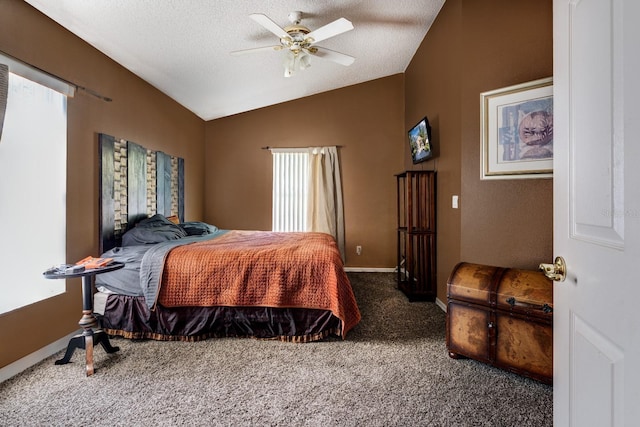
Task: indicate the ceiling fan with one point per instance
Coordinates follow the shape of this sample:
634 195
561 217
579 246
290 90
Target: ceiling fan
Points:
299 42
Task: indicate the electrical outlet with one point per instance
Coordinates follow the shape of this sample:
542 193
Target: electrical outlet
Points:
359 250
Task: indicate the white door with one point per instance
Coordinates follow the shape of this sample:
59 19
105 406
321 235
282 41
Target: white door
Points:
597 212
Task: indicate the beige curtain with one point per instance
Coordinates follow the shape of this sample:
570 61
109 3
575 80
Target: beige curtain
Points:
4 89
325 211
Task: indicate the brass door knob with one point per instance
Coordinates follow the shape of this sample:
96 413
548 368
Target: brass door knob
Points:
556 271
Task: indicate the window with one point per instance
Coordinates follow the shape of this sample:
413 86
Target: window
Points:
290 189
33 166
307 191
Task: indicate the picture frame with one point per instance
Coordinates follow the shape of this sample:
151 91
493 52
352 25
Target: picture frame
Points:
516 126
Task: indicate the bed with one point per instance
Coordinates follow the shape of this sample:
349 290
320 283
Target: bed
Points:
190 281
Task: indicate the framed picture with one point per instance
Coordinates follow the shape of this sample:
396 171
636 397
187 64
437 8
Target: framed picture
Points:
516 125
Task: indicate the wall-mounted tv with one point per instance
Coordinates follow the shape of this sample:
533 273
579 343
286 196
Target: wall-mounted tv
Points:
420 141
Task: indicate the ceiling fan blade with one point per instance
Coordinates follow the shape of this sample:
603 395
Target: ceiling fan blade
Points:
267 23
334 28
256 49
332 55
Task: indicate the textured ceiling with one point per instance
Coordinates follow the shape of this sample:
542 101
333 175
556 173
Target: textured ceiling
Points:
182 47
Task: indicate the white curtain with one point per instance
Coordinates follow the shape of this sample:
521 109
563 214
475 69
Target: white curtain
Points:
10 64
325 211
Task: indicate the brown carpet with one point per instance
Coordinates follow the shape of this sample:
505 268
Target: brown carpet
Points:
393 370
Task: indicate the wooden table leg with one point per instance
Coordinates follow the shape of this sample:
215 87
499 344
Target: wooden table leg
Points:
88 343
88 322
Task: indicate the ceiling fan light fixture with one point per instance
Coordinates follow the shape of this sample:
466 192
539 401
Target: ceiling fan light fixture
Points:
304 60
295 61
289 63
299 41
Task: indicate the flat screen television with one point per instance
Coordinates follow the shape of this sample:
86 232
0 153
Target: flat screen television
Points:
420 141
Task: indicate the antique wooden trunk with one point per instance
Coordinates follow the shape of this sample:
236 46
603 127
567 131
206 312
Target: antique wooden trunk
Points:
503 317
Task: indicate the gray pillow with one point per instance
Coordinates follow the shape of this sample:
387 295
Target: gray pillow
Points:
197 228
152 230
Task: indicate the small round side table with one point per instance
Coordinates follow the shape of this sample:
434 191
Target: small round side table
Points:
91 335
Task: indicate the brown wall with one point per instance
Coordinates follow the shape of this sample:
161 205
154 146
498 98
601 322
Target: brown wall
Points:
138 113
474 47
367 120
433 89
506 222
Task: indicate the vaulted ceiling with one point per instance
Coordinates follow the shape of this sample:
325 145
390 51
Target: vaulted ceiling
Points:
182 47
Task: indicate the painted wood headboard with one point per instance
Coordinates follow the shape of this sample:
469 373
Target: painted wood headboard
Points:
135 183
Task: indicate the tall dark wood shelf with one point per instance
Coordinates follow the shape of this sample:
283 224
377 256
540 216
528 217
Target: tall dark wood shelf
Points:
417 234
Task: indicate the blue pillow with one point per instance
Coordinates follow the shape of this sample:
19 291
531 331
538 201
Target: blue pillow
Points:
152 230
197 228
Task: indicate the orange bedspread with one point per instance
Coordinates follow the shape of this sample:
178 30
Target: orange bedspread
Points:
261 268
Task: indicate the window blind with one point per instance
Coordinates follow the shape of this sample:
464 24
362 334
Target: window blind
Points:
290 189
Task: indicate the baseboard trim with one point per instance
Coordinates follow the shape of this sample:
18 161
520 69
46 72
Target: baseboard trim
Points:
28 361
369 270
442 305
